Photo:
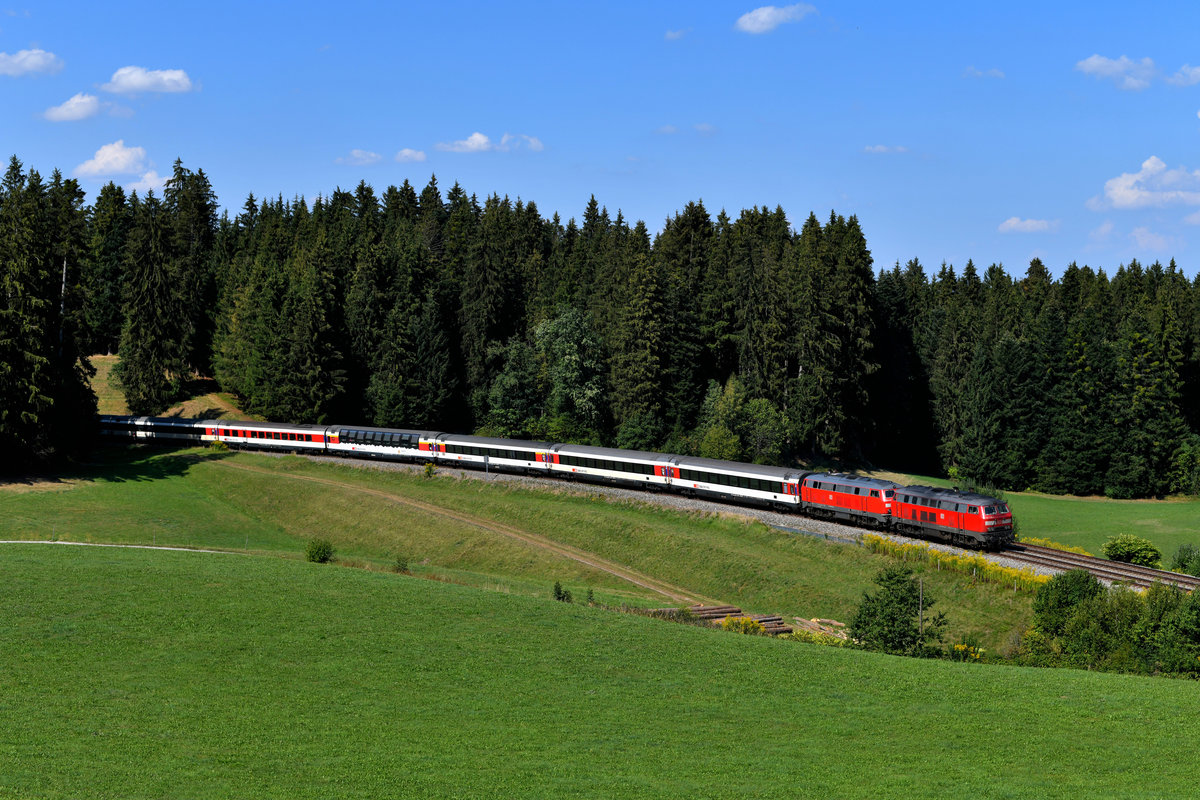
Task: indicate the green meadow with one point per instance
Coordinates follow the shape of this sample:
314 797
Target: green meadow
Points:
1088 522
139 673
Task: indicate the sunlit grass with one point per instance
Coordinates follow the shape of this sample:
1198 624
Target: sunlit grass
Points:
133 674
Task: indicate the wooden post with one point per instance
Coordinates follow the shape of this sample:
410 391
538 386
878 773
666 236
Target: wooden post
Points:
921 608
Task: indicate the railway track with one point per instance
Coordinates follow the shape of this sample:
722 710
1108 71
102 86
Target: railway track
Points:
1105 570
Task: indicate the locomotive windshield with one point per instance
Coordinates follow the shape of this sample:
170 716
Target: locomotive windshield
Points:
889 494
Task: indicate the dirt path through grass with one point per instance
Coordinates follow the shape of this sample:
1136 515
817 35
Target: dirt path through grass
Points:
670 591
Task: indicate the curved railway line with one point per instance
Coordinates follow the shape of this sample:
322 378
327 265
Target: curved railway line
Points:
1045 559
1108 571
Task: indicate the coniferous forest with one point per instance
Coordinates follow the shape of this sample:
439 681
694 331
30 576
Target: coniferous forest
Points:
729 337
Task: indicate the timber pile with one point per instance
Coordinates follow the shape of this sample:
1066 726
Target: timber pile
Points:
773 625
829 627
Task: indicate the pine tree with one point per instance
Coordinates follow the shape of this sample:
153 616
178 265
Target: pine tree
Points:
25 278
151 369
637 360
190 206
313 375
681 255
69 421
104 269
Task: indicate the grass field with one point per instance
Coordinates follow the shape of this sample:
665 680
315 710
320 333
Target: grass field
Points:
130 673
1088 522
202 498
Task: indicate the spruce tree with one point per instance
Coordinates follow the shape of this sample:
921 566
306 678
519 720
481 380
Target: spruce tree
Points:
151 369
25 317
104 269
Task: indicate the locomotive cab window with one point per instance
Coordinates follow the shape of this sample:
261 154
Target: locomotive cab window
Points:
874 493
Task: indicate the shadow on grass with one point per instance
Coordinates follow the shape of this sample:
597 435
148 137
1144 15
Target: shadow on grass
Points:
120 463
212 412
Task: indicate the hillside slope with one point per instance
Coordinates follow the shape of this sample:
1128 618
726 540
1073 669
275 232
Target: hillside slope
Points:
161 673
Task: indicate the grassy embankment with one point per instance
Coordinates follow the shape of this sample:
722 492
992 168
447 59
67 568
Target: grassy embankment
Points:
204 401
138 673
201 498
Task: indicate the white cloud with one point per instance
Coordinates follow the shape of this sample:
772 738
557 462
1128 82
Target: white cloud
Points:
1152 185
114 159
885 148
408 154
971 72
1102 233
130 80
149 181
673 36
510 142
81 106
24 62
1124 71
475 143
667 130
1018 225
1146 239
1193 218
1187 76
479 143
359 158
768 18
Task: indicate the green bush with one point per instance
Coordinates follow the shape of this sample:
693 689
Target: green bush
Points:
400 565
1101 632
560 594
1131 549
319 551
1186 559
1058 597
430 470
897 618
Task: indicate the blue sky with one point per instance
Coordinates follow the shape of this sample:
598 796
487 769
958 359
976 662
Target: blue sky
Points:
994 133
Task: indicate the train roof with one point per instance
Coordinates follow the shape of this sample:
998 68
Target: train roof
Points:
509 444
116 419
853 480
611 452
973 498
409 431
267 426
737 466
